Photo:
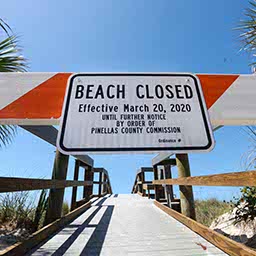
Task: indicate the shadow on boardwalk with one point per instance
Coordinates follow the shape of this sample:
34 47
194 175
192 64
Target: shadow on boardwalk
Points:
94 245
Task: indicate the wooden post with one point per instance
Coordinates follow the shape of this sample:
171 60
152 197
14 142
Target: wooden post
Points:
74 190
157 191
142 178
137 185
105 183
100 185
186 192
109 186
56 196
139 180
88 176
168 188
85 179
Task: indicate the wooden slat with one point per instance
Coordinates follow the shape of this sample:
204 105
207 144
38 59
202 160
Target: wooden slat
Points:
74 189
88 176
148 186
80 202
247 178
145 169
22 184
100 182
100 170
139 193
100 186
170 161
21 248
160 157
227 245
104 194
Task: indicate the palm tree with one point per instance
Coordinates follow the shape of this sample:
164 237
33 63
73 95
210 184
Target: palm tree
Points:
10 61
248 30
248 39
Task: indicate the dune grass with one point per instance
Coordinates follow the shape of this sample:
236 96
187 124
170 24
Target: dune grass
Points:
19 211
210 209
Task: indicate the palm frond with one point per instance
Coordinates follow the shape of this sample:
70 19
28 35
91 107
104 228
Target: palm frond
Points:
248 30
6 28
10 58
7 133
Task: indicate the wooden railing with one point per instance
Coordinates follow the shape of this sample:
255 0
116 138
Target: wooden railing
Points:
142 186
24 184
233 179
161 193
77 207
104 186
163 183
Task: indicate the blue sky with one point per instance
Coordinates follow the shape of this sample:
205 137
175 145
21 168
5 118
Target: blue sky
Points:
169 36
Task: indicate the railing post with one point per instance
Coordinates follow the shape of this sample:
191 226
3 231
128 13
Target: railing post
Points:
100 184
142 178
109 186
105 183
88 176
56 196
157 190
186 192
137 185
168 188
74 190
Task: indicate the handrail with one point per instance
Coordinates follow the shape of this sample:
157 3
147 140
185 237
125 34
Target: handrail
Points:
224 243
247 178
24 184
15 184
173 206
53 217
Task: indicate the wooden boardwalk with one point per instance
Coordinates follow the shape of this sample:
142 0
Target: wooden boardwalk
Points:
126 225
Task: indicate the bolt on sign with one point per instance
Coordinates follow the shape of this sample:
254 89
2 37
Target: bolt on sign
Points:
120 112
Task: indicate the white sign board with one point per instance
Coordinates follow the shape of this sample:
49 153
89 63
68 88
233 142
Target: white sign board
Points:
134 112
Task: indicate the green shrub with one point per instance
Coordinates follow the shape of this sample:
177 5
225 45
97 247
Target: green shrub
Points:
16 210
40 210
208 210
65 208
246 204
